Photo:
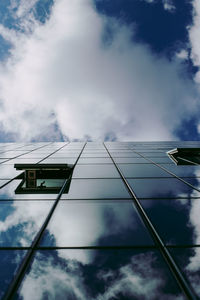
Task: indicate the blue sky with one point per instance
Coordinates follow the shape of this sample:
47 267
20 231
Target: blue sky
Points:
99 69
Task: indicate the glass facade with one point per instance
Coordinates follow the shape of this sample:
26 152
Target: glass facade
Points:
103 221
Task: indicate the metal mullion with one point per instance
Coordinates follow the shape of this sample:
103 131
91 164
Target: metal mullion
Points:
188 291
16 177
25 153
29 256
52 153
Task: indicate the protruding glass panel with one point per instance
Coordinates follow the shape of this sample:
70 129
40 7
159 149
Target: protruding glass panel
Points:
185 156
10 261
20 221
95 171
162 188
142 170
188 259
96 189
99 274
42 178
174 219
99 223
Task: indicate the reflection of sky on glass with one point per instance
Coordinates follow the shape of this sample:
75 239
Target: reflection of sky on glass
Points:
161 188
20 221
96 188
188 260
9 263
8 192
172 219
142 170
111 274
103 223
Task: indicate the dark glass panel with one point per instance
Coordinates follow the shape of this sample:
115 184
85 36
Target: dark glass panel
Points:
162 188
131 160
66 160
96 154
174 219
188 260
20 221
183 171
154 154
96 189
142 170
99 223
161 160
99 274
95 171
125 154
95 160
9 263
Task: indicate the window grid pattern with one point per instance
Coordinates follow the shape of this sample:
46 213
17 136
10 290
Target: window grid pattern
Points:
130 216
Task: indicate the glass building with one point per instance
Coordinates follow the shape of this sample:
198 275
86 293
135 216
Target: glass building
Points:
103 221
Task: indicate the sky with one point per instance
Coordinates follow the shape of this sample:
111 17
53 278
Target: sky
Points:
99 70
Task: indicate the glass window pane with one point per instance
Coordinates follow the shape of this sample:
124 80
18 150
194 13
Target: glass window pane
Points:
95 171
8 193
99 274
161 160
9 263
142 170
96 189
20 221
183 171
99 223
188 261
174 219
162 188
95 160
131 160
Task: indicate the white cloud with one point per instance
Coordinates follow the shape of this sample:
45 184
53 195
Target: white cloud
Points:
169 5
194 33
63 73
138 278
183 54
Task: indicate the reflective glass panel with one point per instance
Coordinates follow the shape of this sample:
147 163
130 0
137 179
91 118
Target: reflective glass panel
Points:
142 170
174 219
183 171
189 262
95 171
99 274
9 263
99 223
20 221
161 188
95 160
96 154
8 192
97 189
8 171
161 160
131 160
